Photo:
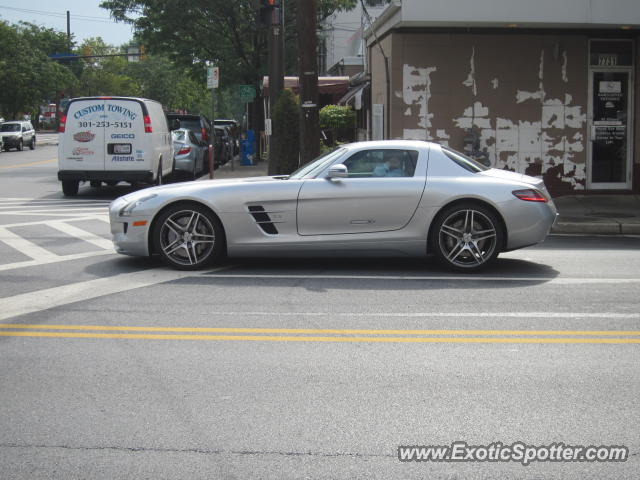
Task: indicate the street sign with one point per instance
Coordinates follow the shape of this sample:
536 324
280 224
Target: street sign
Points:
247 93
213 77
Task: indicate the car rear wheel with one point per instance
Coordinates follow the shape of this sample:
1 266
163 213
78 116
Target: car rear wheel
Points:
32 145
188 237
70 187
467 237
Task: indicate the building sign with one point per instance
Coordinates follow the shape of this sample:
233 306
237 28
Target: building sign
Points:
377 120
213 77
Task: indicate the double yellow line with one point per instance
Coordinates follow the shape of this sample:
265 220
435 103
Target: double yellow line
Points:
320 335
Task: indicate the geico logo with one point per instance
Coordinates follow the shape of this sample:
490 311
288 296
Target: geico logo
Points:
123 135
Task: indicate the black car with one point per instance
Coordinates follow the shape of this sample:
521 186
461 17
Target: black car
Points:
198 124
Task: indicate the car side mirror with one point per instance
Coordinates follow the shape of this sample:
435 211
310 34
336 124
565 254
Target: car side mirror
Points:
338 171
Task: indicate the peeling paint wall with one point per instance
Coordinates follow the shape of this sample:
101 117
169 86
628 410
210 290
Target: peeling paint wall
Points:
526 95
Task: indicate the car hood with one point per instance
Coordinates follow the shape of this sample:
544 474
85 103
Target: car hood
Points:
202 184
512 176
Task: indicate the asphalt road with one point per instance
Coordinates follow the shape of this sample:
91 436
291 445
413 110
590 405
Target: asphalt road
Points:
114 367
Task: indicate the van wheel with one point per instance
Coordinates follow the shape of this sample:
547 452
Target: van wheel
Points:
32 145
70 187
20 146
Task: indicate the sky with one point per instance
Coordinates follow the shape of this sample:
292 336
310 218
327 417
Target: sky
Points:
87 18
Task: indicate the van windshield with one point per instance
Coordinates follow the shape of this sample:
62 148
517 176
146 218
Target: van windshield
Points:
9 127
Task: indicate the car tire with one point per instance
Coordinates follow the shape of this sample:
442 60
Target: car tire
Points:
95 183
32 145
20 146
466 237
111 183
70 187
176 228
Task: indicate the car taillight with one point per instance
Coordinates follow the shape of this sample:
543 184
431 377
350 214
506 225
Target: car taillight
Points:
530 195
205 137
63 123
184 150
147 124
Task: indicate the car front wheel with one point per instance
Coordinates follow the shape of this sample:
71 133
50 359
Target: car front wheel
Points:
188 237
20 146
467 237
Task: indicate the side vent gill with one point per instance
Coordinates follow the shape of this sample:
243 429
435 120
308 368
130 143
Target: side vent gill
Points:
263 220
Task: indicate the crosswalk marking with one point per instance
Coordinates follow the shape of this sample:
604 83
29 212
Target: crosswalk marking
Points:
64 216
74 231
25 246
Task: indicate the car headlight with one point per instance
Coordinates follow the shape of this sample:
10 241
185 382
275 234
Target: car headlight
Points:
129 207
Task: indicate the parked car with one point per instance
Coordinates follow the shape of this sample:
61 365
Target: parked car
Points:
198 124
18 134
379 198
226 145
112 139
234 130
189 153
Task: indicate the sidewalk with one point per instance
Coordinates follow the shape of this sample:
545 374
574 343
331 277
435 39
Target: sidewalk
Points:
598 214
580 214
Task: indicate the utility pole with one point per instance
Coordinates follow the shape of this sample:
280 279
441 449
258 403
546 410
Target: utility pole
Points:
308 71
68 32
276 69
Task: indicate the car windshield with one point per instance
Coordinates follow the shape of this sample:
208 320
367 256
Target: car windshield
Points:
9 127
178 135
316 166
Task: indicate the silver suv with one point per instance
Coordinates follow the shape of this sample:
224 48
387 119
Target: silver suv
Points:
17 135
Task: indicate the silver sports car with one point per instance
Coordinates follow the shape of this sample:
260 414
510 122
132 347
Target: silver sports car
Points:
385 198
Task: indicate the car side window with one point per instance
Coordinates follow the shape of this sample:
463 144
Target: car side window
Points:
382 163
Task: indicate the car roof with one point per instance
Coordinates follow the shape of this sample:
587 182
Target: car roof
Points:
389 144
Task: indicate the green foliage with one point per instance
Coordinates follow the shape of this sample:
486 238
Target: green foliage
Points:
27 76
337 117
285 122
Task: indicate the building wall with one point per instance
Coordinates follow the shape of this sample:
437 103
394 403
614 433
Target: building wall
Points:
525 94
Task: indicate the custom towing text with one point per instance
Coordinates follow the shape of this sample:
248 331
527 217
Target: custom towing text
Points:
518 452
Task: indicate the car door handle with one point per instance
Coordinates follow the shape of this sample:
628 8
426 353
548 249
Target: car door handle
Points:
362 222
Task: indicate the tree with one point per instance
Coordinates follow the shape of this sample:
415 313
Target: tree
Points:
286 124
28 76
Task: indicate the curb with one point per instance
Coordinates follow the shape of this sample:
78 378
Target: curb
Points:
597 228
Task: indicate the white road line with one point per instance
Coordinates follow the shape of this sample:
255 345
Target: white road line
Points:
570 315
57 259
76 232
76 292
45 222
34 214
546 280
29 199
26 247
52 210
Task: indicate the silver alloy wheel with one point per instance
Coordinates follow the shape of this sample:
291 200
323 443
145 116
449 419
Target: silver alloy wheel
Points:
187 237
467 238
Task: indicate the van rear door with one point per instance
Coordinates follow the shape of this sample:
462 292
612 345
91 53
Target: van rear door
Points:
83 141
124 132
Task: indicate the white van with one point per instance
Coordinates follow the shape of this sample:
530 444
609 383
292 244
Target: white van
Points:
113 139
